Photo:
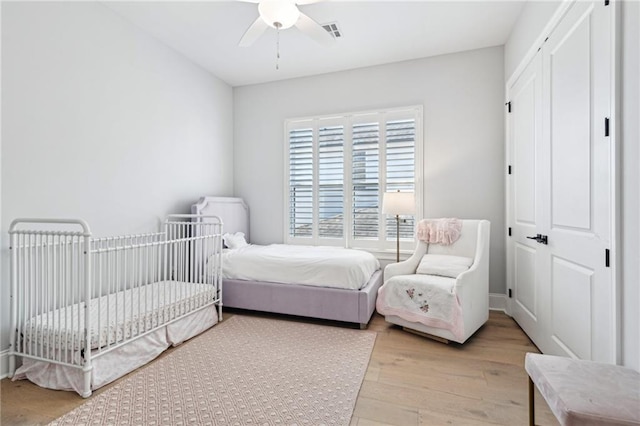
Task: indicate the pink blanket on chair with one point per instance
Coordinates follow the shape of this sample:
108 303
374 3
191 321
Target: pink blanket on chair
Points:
434 305
439 231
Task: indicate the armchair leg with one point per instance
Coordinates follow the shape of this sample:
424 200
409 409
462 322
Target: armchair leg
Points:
427 335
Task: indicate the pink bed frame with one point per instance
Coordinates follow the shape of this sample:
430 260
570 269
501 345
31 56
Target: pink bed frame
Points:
353 306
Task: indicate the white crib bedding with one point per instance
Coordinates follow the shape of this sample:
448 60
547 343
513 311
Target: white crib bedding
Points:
319 266
121 315
120 361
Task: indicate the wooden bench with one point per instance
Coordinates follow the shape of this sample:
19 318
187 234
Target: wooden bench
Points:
584 392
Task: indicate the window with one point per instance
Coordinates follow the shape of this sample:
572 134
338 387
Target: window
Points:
338 169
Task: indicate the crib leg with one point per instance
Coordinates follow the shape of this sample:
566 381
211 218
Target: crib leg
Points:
219 311
87 383
12 365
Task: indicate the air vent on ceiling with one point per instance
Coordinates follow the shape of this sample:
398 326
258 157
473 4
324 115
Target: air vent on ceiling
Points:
333 29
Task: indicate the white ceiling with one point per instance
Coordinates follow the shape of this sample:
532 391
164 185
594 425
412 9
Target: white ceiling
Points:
374 32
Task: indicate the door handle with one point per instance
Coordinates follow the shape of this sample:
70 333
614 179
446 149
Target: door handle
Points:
542 239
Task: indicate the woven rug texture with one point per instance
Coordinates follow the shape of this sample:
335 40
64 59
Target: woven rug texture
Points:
243 371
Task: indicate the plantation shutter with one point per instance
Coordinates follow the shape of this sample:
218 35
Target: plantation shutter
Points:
365 179
331 182
301 182
400 147
339 166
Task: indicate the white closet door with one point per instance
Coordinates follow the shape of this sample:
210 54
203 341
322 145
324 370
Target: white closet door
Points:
561 189
525 135
578 287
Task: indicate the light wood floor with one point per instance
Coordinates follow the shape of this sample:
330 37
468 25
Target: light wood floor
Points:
411 380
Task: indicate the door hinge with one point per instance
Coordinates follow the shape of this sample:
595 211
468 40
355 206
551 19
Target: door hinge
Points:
606 126
508 104
510 296
509 231
606 2
606 258
509 169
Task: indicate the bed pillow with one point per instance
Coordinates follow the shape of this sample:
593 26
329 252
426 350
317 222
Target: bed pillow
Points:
234 241
443 265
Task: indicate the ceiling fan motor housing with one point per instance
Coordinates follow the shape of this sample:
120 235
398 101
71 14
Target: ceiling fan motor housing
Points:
280 14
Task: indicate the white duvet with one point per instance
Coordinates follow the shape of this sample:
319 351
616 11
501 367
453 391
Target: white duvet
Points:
292 264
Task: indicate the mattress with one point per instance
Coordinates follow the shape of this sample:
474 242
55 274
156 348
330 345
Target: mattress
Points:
320 266
121 315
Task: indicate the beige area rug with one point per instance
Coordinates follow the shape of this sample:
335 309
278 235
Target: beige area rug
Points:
244 371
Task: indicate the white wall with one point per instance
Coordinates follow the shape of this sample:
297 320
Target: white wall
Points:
630 135
101 121
530 26
3 358
462 94
532 19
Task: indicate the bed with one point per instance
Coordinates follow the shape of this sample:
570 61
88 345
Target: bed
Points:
322 299
85 311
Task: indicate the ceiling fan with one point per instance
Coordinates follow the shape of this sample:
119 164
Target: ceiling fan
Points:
283 14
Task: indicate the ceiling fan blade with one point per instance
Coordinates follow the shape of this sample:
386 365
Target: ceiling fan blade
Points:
314 30
253 32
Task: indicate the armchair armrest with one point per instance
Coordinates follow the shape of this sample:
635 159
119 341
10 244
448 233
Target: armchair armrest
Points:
480 266
408 266
472 286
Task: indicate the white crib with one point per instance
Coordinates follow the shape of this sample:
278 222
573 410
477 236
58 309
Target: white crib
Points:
86 311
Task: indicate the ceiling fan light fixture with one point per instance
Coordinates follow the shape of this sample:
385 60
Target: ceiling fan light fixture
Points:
278 13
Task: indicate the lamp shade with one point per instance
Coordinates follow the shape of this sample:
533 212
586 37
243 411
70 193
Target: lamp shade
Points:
398 203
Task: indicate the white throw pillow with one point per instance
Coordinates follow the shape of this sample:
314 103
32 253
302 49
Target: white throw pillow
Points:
443 265
234 241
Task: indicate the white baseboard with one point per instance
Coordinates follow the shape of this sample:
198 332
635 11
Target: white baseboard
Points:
4 364
498 302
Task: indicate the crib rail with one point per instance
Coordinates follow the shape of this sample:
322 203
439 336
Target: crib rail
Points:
74 298
49 268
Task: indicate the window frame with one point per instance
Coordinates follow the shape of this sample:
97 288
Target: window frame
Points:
382 246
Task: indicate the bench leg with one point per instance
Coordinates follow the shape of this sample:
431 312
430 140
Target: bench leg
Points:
532 411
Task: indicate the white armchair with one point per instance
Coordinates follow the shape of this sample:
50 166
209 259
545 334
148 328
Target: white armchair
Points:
470 286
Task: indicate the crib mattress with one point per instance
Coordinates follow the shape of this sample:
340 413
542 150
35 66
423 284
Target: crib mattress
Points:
117 316
319 266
